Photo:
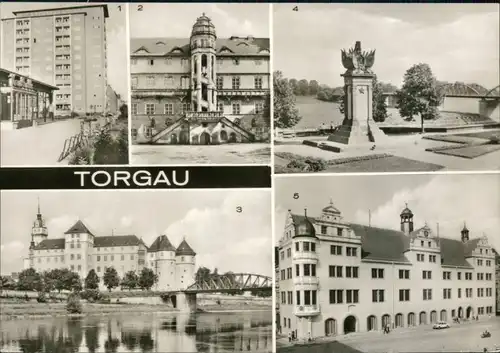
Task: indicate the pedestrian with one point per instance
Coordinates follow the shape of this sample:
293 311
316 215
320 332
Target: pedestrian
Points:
289 337
477 318
310 338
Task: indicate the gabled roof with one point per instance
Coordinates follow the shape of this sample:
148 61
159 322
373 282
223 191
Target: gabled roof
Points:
184 249
331 208
161 244
235 45
117 240
453 252
78 227
50 244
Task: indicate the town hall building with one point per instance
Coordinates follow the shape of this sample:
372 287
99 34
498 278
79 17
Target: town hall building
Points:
337 277
200 90
81 251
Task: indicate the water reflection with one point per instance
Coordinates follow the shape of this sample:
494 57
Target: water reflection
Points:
207 332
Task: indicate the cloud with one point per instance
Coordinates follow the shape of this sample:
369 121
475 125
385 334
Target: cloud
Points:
226 239
448 200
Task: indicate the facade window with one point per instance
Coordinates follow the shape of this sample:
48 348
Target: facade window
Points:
404 295
150 108
236 61
79 267
236 108
72 267
220 82
297 297
336 296
335 250
309 270
335 271
468 276
459 294
282 255
220 107
446 293
446 275
258 82
377 273
235 82
134 108
404 274
432 258
151 62
459 275
427 294
289 252
324 229
420 257
426 274
184 107
282 275
72 257
134 82
378 295
352 296
150 81
351 251
168 109
351 271
480 262
259 107
79 257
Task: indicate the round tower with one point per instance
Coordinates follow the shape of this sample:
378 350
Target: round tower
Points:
39 231
406 220
203 65
163 262
184 265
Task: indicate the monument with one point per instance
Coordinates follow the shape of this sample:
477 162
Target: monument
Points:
358 126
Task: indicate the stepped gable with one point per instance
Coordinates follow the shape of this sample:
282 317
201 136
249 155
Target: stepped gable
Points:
50 244
184 249
234 46
78 227
116 240
162 243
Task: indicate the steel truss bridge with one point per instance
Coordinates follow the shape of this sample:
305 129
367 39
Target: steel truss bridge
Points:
231 282
459 89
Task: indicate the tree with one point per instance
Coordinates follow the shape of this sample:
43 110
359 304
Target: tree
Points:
202 274
6 283
302 88
111 279
293 83
74 282
130 280
92 280
286 115
29 280
49 281
419 94
379 107
106 150
123 112
147 278
313 87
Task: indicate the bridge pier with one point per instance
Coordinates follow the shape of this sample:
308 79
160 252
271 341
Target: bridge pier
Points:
186 302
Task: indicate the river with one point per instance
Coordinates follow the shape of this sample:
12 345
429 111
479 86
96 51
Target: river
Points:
201 332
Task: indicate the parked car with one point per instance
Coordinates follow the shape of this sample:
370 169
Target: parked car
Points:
440 325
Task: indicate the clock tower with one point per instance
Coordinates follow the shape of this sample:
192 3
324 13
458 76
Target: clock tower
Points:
39 230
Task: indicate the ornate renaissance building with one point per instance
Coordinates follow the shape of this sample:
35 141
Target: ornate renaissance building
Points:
81 251
338 277
62 47
201 89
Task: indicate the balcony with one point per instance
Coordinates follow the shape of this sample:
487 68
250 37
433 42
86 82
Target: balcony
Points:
305 255
306 310
204 116
306 280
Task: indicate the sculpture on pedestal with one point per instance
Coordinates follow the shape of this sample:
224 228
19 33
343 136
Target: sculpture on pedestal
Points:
358 126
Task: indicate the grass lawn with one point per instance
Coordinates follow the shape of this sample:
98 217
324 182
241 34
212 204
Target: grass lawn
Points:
469 151
482 134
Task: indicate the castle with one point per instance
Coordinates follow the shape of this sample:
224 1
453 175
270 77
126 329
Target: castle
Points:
81 251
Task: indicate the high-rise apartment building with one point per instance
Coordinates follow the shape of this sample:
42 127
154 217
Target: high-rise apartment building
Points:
63 47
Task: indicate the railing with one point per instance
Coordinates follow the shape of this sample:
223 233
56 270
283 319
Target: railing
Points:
307 280
305 255
72 144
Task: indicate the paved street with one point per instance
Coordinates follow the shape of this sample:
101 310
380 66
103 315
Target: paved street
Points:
464 337
240 153
39 145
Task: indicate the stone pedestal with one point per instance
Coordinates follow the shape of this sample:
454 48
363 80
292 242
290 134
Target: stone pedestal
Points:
186 302
358 126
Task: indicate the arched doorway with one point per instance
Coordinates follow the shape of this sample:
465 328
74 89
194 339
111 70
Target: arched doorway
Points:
215 139
411 320
232 137
469 312
386 321
173 139
223 135
443 316
349 324
453 313
330 327
204 138
194 140
433 316
399 320
371 323
460 312
422 319
183 137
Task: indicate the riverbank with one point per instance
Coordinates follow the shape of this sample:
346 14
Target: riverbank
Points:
9 311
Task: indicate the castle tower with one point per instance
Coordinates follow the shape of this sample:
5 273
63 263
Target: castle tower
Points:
465 234
162 253
39 231
203 65
184 265
406 220
79 248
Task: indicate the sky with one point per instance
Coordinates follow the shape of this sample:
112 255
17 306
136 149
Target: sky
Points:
116 38
447 199
221 237
460 42
176 20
